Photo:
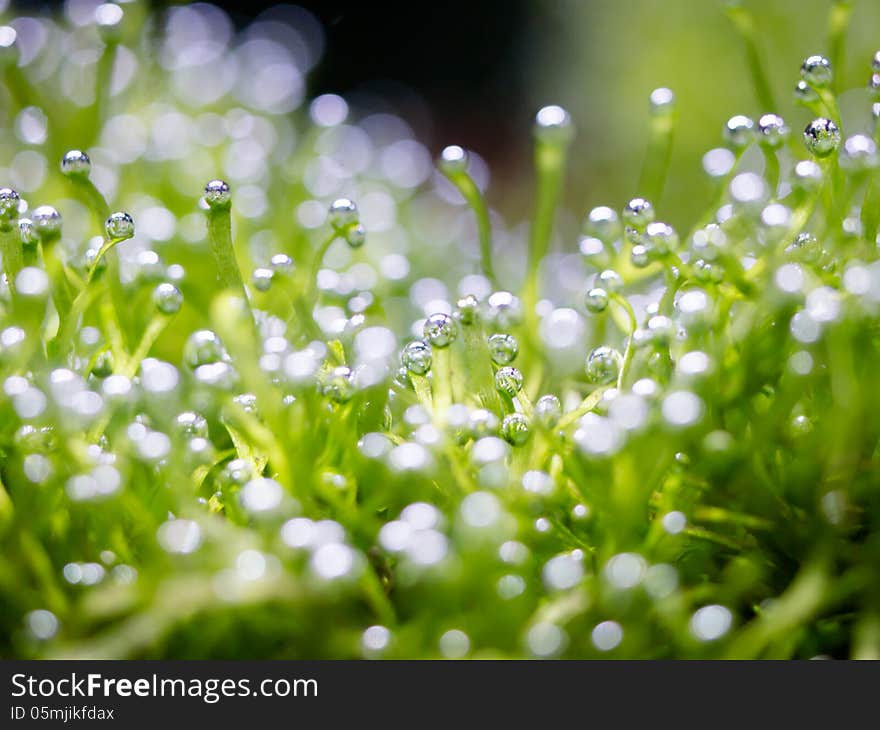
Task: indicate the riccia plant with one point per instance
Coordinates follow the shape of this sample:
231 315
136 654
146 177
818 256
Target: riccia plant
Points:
257 401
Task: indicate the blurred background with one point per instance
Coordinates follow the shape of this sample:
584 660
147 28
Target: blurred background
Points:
473 73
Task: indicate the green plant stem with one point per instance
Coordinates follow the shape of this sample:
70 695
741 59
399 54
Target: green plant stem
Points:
839 16
745 26
477 368
13 255
465 184
220 239
658 154
442 380
629 351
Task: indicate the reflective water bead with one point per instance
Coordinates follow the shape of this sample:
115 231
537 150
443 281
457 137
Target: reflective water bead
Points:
104 364
547 411
281 263
610 280
772 130
338 384
596 300
8 47
661 330
739 131
603 223
822 137
119 226
816 71
76 163
638 213
804 93
467 309
47 222
662 100
504 310
553 124
28 232
640 256
32 282
805 248
453 159
262 278
859 153
807 175
342 214
9 202
167 298
481 423
508 380
603 365
217 194
191 424
440 330
108 18
356 236
202 348
416 357
503 348
515 429
661 237
875 62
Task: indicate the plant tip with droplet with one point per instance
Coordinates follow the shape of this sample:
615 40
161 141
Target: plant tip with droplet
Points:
217 194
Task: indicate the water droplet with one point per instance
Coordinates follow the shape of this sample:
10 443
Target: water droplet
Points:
440 330
508 380
859 153
217 194
638 213
342 214
503 348
119 226
8 46
607 635
603 223
262 278
455 644
548 410
603 365
822 137
804 93
772 130
42 624
167 298
805 248
338 385
202 348
662 100
682 408
481 423
281 263
179 536
640 256
76 163
356 235
816 71
191 425
453 159
46 222
261 495
28 232
661 237
807 175
467 310
515 429
32 282
503 310
596 300
9 203
711 622
416 357
553 125
739 131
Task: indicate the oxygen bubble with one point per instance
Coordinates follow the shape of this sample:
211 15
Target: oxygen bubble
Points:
553 125
661 237
547 411
9 202
711 622
859 153
338 384
453 160
32 282
662 100
603 365
807 175
515 429
607 635
610 280
467 309
262 278
167 298
640 256
119 226
508 380
504 310
47 222
804 93
281 263
481 423
217 194
603 223
237 472
76 163
503 348
416 357
822 137
638 213
342 214
108 17
356 236
816 71
591 247
202 348
191 425
440 330
739 131
596 300
261 495
772 130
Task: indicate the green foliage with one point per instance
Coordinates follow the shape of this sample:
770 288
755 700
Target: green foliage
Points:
259 424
